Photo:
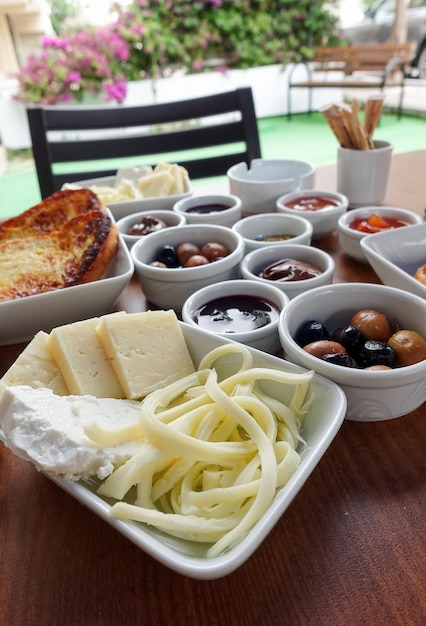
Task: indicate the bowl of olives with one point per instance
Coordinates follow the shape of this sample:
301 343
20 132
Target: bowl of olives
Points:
133 227
174 262
369 339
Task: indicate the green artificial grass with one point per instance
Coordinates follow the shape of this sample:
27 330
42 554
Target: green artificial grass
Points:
304 137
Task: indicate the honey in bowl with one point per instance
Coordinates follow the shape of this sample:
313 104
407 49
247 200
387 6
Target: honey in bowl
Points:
312 203
235 314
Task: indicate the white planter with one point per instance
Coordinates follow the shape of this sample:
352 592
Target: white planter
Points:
269 85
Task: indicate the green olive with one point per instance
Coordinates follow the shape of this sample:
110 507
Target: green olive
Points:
409 346
372 324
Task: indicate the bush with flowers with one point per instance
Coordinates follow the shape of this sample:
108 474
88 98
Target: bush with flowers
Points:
151 38
199 34
67 68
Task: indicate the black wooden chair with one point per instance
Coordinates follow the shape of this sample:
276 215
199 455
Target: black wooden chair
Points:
224 126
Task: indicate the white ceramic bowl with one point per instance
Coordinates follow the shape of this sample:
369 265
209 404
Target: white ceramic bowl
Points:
125 223
226 216
254 227
395 255
170 287
350 239
324 221
21 319
372 395
256 260
127 207
264 338
265 180
320 425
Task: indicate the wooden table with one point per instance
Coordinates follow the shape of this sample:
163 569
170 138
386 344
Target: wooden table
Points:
350 550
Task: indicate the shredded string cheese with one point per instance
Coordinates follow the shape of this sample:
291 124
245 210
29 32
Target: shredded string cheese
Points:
213 453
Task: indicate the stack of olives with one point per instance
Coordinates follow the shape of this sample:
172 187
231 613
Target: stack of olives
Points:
369 341
189 255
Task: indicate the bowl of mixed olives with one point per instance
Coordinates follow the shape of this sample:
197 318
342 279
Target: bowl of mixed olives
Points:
369 339
173 263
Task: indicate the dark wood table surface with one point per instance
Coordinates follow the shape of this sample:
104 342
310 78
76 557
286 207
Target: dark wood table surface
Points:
350 550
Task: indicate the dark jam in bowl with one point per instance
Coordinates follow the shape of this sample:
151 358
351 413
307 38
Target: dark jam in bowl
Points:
287 270
207 208
311 203
235 314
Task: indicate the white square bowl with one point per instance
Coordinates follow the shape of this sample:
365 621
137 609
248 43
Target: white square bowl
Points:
127 207
187 558
20 319
396 254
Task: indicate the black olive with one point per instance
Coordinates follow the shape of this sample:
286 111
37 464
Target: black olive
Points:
168 256
311 331
350 337
376 353
340 358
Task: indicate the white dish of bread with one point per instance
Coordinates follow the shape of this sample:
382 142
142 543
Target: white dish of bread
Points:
60 261
140 188
317 404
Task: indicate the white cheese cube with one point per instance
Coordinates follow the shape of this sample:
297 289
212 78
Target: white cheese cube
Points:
83 361
36 367
147 350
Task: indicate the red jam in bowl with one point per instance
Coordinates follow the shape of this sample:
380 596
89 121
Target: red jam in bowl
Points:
287 270
235 314
311 203
376 223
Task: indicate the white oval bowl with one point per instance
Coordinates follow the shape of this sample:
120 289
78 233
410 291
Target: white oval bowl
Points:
225 217
395 255
125 223
256 260
350 239
324 221
372 395
253 226
265 180
265 338
170 287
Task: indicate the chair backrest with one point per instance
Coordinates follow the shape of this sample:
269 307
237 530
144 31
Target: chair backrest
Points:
74 135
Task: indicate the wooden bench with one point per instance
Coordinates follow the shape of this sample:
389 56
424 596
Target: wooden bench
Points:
357 67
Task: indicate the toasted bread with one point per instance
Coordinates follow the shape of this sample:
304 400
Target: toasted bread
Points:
50 214
78 253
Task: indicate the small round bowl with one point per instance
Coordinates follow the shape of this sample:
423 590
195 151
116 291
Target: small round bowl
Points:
125 223
264 338
254 227
372 395
350 239
168 288
265 180
256 260
199 209
324 221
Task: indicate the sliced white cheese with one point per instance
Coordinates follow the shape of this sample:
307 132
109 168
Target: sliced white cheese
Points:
147 350
155 185
48 431
36 367
83 361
